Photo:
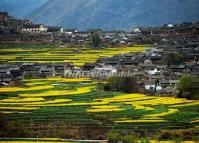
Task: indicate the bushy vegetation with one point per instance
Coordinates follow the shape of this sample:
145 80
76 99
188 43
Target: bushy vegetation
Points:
122 84
96 41
188 87
174 59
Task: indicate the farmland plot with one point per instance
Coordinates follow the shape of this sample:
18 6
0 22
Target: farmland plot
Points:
68 103
54 55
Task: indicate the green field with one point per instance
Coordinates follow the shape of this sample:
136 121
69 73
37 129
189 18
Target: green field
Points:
58 107
80 108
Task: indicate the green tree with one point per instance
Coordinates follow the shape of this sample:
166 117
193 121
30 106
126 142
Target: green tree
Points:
184 86
113 137
174 59
122 84
129 139
3 124
96 41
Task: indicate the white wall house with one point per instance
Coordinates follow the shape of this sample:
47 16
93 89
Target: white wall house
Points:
152 87
153 72
105 68
34 28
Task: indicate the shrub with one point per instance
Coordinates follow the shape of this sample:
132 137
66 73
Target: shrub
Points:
174 59
144 140
113 137
96 41
129 139
122 84
189 87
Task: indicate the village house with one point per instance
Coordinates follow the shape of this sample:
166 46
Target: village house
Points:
16 73
152 86
136 31
187 30
104 70
46 71
88 66
70 31
27 66
60 69
5 76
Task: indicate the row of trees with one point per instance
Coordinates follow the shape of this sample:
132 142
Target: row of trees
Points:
175 136
188 86
13 129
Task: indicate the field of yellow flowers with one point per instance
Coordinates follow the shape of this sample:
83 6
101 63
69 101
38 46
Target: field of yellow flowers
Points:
50 54
82 95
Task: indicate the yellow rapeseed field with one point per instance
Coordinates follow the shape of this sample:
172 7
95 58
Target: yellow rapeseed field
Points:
15 89
57 79
104 108
19 108
151 141
80 90
16 99
170 111
55 55
139 121
38 104
195 121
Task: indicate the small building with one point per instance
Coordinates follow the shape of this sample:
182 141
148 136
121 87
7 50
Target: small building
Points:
16 73
151 86
46 71
27 66
153 72
88 66
178 68
137 31
61 68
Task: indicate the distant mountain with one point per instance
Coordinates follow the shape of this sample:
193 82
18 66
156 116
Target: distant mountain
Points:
113 14
20 8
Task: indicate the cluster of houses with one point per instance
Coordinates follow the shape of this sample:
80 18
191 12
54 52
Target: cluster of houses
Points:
152 68
12 73
23 30
175 53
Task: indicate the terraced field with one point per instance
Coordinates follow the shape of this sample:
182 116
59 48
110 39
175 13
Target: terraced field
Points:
62 107
48 105
52 55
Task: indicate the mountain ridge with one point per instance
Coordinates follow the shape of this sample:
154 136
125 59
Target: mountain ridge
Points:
20 8
116 14
113 14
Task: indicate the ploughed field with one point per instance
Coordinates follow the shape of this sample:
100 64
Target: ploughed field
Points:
48 54
60 107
